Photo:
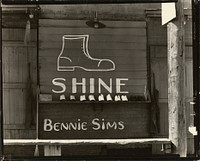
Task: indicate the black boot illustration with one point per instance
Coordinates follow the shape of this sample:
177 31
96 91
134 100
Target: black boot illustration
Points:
74 54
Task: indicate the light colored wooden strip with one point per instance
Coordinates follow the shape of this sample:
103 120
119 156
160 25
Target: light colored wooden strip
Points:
86 142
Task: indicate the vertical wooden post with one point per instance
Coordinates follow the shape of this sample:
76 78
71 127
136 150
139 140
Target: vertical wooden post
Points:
176 77
1 89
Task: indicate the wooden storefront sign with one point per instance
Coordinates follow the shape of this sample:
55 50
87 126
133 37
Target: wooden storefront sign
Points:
93 120
107 65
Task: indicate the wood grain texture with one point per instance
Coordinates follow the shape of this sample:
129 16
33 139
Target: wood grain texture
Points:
129 114
176 83
122 42
15 58
88 141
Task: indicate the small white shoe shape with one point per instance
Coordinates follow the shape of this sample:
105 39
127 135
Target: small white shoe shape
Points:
108 97
62 97
101 97
82 98
72 98
91 98
124 98
117 98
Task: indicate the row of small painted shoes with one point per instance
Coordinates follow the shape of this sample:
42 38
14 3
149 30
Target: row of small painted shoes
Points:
100 98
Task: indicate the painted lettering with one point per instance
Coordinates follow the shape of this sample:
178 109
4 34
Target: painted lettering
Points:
102 83
75 84
60 82
96 126
57 82
121 125
48 125
91 85
102 124
119 84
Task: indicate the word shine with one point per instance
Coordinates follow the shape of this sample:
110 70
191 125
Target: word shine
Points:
92 82
96 124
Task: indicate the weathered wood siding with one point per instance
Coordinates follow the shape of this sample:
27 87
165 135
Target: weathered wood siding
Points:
15 75
122 42
157 44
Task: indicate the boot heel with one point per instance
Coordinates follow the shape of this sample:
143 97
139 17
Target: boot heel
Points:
61 68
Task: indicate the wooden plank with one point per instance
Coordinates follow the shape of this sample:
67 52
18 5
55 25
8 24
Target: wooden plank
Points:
129 82
18 44
67 112
132 89
121 63
176 84
86 142
20 134
93 45
189 79
119 53
82 31
17 34
164 127
52 150
6 106
107 12
160 51
46 77
14 126
81 23
98 38
15 63
16 20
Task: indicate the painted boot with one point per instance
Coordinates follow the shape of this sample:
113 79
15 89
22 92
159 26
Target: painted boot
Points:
75 54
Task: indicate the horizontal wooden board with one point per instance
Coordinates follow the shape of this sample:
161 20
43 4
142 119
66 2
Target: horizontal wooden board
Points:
121 64
17 134
128 82
93 114
14 85
93 45
119 53
47 77
131 89
17 34
82 31
98 38
19 44
81 23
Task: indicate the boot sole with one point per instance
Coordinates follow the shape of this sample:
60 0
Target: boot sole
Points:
63 68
